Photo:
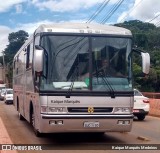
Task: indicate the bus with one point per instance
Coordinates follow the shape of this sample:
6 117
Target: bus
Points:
59 85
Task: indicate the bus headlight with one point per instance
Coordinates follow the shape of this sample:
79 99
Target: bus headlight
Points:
122 110
44 109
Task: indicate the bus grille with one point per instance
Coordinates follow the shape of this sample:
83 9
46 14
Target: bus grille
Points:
85 109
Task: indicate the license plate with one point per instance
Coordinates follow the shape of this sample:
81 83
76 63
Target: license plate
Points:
91 124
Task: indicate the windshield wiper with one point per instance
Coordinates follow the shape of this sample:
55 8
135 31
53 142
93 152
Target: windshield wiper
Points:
105 80
68 94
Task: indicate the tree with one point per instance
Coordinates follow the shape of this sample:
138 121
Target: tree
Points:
16 40
146 36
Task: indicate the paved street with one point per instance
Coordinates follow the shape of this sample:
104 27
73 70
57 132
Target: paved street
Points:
21 132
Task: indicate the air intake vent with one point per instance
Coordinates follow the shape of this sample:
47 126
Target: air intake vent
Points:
85 109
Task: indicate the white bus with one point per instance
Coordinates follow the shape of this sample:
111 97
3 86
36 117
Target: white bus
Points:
61 85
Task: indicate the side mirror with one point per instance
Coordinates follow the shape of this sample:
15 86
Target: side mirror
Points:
145 62
38 60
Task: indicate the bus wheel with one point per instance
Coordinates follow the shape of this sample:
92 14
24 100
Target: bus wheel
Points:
20 116
37 133
141 117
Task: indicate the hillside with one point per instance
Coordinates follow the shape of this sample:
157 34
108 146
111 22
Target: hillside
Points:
146 36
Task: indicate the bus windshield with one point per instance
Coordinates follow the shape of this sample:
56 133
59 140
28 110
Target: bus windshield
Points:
86 63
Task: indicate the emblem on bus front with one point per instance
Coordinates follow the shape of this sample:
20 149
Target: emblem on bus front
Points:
90 110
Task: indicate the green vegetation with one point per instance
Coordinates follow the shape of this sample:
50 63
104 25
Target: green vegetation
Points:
16 40
146 36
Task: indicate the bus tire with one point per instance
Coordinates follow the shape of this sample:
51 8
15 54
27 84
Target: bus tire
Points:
37 133
141 117
20 116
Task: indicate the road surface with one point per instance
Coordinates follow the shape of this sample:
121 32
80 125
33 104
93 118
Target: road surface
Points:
20 132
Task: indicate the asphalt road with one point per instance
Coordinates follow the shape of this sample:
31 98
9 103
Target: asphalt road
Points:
145 132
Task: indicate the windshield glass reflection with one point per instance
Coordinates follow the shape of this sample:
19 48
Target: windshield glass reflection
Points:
69 63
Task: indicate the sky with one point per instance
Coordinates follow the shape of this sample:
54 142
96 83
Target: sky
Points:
27 15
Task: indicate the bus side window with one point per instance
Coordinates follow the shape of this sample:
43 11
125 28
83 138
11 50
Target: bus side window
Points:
15 67
17 60
27 57
14 64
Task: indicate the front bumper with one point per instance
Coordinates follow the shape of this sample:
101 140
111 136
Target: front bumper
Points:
75 123
9 101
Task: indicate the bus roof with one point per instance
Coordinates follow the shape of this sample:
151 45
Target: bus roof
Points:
83 28
77 28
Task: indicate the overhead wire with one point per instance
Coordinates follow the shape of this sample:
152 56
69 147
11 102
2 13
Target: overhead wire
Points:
101 8
98 11
131 11
158 23
112 11
135 8
154 18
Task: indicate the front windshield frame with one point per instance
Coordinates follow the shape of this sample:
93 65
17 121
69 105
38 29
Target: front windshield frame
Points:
89 37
